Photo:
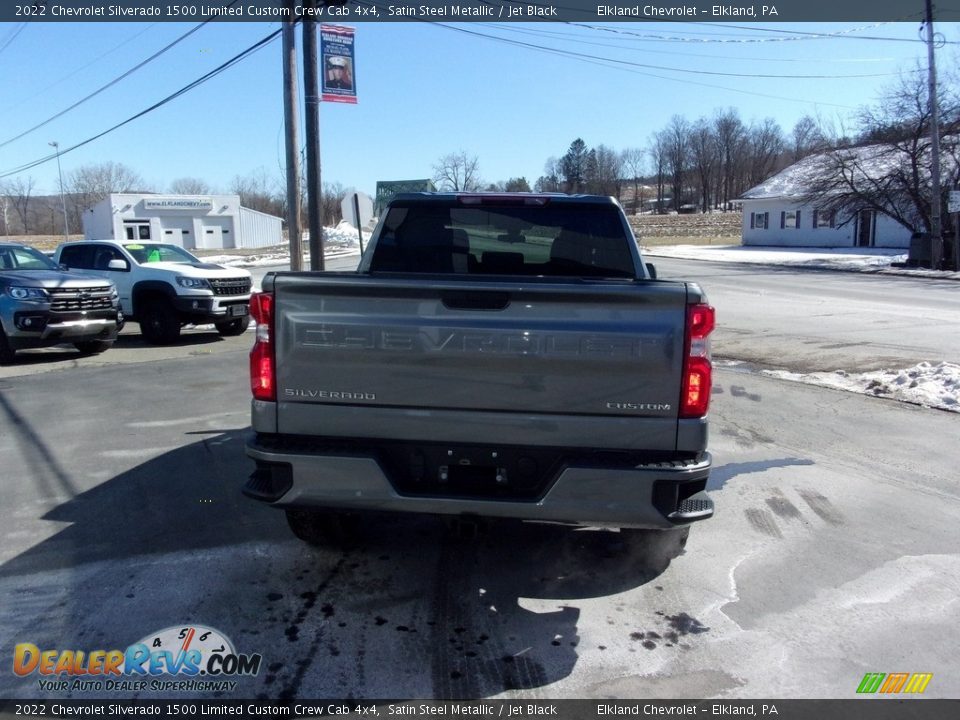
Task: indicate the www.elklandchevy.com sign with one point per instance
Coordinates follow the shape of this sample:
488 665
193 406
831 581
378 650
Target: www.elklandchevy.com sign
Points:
177 204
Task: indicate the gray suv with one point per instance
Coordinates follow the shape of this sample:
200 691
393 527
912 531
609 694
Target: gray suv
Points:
42 304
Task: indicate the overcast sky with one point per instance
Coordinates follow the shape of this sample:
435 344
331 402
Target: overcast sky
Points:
511 94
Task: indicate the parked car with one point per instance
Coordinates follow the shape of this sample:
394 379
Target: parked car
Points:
163 287
41 304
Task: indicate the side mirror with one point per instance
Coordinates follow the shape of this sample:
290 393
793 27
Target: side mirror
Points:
62 267
118 264
652 271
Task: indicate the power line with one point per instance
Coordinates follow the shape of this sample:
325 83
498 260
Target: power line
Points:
649 66
794 35
13 36
815 36
600 62
578 38
80 69
259 45
112 82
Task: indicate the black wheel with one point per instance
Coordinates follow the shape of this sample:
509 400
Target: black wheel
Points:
93 347
7 353
323 528
159 324
233 327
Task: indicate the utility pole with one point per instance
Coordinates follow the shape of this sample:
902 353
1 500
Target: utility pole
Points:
63 199
936 233
311 89
292 144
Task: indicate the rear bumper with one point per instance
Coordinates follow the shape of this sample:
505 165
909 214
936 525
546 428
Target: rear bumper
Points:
658 495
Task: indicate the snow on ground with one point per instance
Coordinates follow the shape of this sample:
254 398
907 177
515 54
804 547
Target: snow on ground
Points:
874 260
936 386
338 241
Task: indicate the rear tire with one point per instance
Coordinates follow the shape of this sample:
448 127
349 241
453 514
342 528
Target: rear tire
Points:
93 347
159 324
322 528
7 353
233 327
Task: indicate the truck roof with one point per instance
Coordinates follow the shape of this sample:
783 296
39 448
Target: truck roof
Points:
494 198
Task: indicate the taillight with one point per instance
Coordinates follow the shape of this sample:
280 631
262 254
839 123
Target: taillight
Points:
697 370
263 380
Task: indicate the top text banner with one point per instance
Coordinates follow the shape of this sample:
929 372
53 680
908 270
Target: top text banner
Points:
768 11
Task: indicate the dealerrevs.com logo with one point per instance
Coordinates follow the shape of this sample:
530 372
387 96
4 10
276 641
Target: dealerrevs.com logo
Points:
202 658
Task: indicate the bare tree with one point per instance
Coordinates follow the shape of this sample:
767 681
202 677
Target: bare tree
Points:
633 162
21 188
458 172
89 184
603 171
591 173
807 138
258 192
677 140
892 173
765 146
190 186
332 195
4 207
731 138
658 154
550 180
704 155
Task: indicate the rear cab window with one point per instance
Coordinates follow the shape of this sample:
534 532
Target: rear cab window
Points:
552 239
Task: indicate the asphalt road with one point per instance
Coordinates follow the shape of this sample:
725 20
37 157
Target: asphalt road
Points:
823 320
833 552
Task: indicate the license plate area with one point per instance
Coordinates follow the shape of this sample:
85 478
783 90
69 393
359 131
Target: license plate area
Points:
469 471
464 475
238 310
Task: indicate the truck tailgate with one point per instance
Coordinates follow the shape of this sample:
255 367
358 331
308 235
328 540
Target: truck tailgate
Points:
604 349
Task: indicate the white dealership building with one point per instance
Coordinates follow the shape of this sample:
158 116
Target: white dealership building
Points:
190 221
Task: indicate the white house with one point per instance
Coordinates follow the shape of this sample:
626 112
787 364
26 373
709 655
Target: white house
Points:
775 213
190 221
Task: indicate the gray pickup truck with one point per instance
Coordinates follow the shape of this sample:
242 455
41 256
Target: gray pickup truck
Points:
499 355
41 304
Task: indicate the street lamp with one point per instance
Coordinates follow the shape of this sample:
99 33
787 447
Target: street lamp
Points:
63 200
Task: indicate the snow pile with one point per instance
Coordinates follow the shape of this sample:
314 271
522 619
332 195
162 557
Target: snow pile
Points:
836 258
926 384
341 240
338 241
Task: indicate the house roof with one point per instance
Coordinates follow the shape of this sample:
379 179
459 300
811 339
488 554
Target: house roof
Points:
798 180
791 182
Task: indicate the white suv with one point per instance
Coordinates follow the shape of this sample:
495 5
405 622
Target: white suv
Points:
163 287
